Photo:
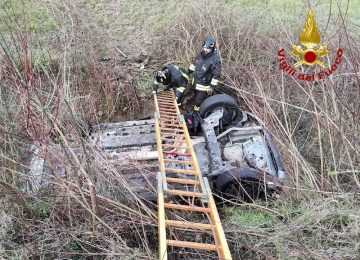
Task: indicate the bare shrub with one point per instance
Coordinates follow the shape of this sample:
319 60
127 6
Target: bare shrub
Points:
312 121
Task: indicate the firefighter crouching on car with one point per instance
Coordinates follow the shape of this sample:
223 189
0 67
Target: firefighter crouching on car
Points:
206 68
172 76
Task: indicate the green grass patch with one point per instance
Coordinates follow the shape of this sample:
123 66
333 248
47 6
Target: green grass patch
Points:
25 13
142 82
247 217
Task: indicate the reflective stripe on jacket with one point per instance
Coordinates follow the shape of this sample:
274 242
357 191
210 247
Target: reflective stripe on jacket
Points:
202 87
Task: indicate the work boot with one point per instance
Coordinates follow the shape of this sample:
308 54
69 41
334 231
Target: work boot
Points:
193 122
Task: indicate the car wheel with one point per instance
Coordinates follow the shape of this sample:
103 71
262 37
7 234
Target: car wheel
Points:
224 102
242 185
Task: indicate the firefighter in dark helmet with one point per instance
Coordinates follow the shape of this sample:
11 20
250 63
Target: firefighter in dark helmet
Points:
172 77
206 68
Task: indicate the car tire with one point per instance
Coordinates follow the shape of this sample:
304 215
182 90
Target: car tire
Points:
241 185
226 102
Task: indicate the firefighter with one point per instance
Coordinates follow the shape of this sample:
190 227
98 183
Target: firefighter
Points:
206 68
172 76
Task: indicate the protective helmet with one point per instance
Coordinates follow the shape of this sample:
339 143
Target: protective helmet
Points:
209 43
163 75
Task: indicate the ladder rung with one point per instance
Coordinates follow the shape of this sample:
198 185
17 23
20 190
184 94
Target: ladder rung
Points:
173 140
186 224
176 153
167 105
165 95
167 117
175 146
167 98
168 114
171 118
193 245
176 128
162 128
178 161
173 124
184 193
182 181
168 109
171 113
171 134
166 124
191 172
166 101
186 208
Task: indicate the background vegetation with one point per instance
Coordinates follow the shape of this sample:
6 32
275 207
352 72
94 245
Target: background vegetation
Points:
70 64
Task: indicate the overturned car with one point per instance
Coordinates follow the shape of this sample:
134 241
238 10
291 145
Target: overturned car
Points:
233 148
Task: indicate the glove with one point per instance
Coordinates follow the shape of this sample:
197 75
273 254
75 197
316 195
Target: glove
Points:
210 90
178 101
155 88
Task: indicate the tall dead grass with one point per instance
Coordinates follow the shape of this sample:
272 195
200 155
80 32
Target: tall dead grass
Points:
315 123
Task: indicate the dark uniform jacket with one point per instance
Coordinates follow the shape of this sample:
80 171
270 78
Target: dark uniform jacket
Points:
178 77
207 70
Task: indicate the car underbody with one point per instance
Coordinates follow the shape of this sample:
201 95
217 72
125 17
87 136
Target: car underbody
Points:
234 150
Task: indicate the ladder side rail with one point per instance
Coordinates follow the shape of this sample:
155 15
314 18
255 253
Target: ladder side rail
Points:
161 207
219 231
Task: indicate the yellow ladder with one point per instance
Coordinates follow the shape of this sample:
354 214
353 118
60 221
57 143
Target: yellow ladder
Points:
180 180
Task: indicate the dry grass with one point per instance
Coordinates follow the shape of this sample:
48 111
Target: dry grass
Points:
70 64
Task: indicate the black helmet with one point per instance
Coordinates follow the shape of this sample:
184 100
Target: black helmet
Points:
163 75
209 43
